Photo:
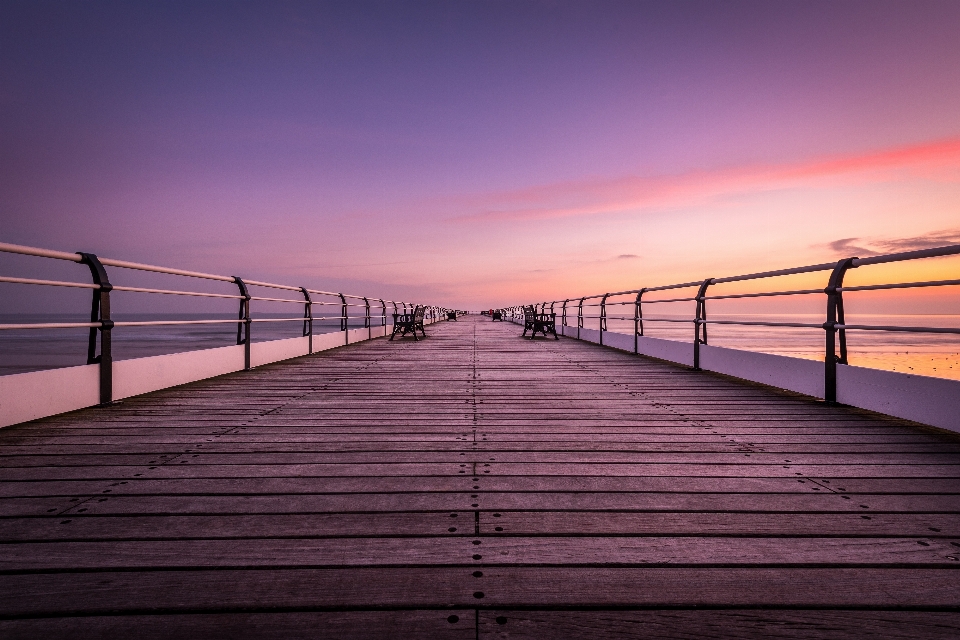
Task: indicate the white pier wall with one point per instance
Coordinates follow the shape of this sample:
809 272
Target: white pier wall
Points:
276 350
40 394
143 375
783 372
932 401
671 350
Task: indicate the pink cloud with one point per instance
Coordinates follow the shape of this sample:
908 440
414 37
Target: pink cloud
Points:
600 196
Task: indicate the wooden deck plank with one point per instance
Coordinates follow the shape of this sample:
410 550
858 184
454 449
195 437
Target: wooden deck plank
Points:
163 470
327 625
526 488
561 484
620 551
123 592
720 625
506 523
99 504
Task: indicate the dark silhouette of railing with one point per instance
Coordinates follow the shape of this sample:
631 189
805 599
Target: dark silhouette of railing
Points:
101 325
834 325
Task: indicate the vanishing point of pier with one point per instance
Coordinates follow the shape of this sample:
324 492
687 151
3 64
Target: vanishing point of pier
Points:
478 485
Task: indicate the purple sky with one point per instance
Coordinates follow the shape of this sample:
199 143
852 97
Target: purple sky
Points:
477 154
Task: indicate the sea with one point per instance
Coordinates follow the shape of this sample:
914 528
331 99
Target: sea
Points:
23 350
936 355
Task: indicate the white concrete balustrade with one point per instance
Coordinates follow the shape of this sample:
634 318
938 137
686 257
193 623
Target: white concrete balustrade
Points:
39 394
924 399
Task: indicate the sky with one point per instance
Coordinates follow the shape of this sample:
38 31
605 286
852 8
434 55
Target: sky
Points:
480 154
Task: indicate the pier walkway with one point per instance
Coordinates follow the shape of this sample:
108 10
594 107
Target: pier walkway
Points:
477 485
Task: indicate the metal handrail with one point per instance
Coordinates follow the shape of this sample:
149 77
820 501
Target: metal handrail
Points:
50 325
862 327
101 325
54 283
835 350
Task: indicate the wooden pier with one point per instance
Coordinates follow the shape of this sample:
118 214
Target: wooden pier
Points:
478 485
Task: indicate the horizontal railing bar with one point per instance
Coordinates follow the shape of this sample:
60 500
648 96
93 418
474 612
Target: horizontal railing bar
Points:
901 285
631 318
40 253
150 323
949 250
346 295
826 266
178 293
675 286
622 293
805 325
52 283
280 299
285 287
123 264
763 295
690 321
861 327
49 325
576 299
670 300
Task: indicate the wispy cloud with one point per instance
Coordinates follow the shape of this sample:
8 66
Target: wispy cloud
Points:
862 247
926 241
851 247
633 193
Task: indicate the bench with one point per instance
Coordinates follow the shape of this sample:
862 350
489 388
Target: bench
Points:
498 315
542 322
404 322
451 315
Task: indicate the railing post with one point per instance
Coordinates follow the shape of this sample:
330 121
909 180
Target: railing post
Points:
638 320
603 316
307 318
563 319
100 312
366 318
243 328
383 315
343 319
834 317
700 322
580 317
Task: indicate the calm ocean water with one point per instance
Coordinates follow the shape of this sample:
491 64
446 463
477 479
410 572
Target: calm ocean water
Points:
924 354
935 355
36 349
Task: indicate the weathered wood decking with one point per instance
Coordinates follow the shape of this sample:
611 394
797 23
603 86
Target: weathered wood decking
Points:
511 489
